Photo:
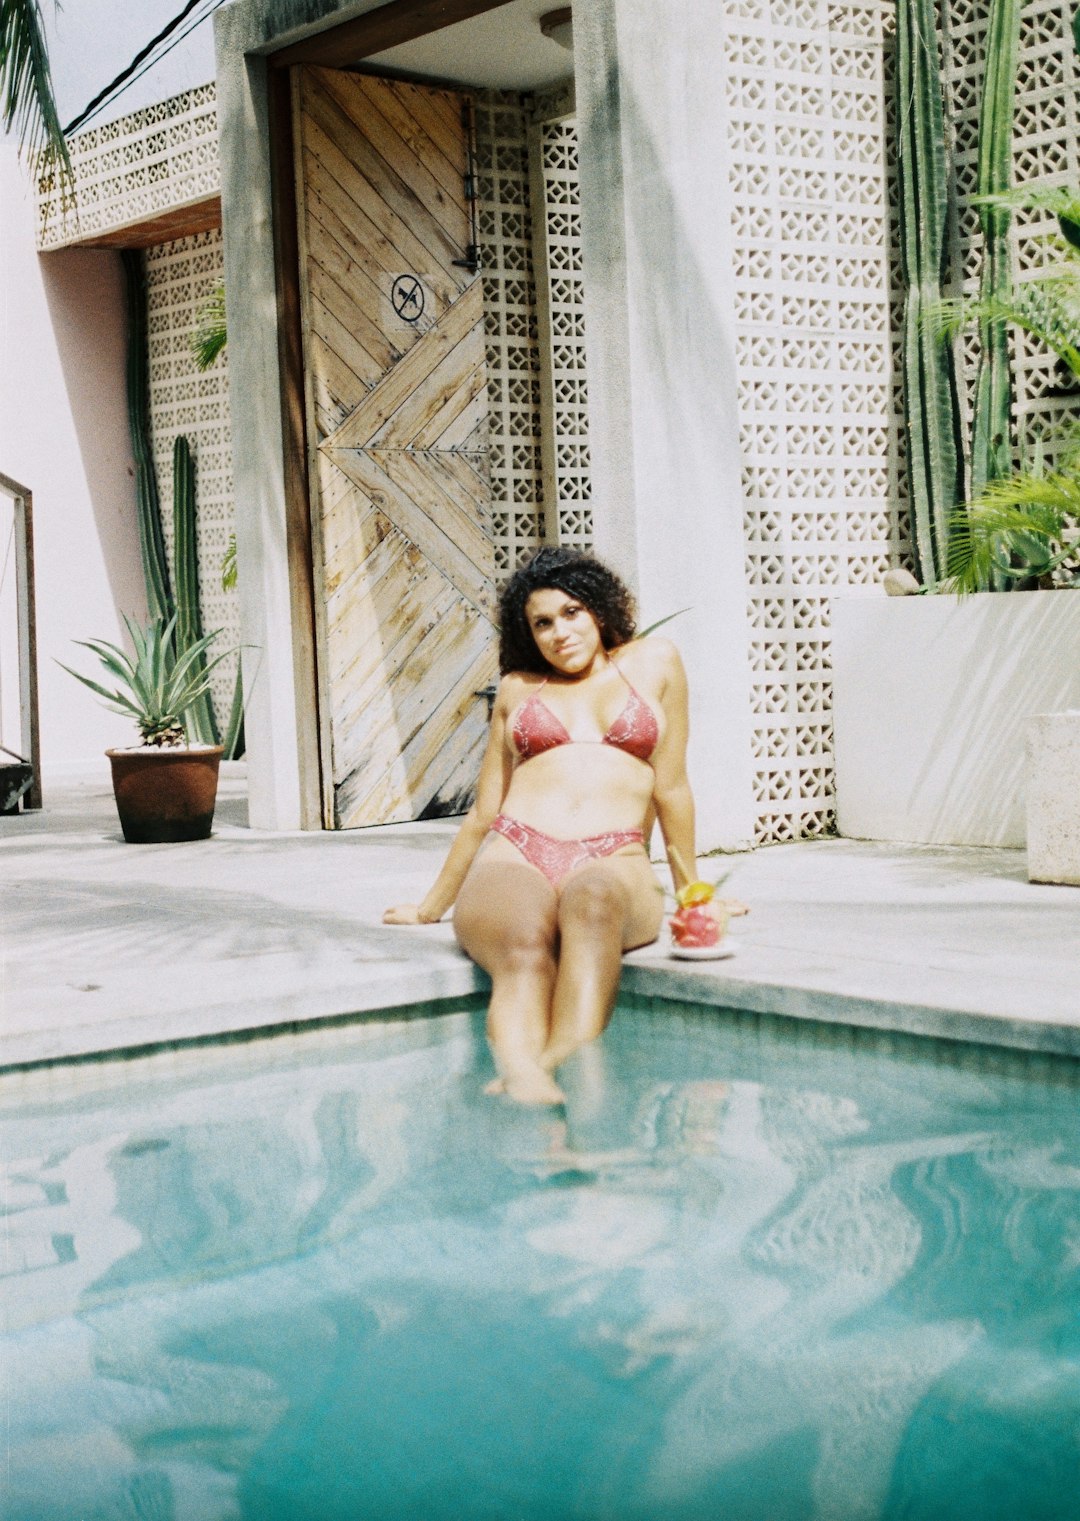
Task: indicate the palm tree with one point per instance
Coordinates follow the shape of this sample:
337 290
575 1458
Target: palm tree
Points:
26 88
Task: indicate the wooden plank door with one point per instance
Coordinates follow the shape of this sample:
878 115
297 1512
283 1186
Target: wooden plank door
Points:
395 378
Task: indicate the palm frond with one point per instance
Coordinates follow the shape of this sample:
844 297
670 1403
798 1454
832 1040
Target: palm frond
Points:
645 632
229 568
29 106
1061 201
1020 527
210 337
1047 307
1054 494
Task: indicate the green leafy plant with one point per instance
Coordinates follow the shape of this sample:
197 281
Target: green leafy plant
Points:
208 342
159 597
931 410
645 632
229 575
211 336
26 89
185 555
1047 306
155 687
991 447
1020 531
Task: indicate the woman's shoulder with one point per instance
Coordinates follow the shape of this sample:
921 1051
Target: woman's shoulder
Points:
652 652
514 687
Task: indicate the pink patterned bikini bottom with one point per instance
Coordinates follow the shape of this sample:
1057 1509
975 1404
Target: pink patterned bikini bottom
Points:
556 858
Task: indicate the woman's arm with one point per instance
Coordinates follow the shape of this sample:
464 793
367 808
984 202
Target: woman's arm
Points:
491 788
672 798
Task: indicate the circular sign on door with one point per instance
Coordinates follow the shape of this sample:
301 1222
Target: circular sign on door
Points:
408 299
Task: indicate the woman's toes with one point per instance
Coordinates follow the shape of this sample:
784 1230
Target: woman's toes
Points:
533 1086
497 1085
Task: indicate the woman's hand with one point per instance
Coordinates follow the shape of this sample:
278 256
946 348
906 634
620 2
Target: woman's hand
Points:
405 913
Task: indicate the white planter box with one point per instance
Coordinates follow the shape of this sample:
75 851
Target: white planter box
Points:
1053 798
931 699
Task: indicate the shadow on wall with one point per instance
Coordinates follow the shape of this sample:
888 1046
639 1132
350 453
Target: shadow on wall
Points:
684 440
85 294
978 743
932 698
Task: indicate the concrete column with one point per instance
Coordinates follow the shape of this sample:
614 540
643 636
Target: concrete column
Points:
274 719
660 328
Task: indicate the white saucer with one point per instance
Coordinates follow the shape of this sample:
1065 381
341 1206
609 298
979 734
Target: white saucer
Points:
719 952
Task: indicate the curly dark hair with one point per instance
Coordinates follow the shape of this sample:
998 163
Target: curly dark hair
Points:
578 575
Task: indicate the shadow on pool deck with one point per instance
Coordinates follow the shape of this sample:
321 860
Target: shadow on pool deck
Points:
108 946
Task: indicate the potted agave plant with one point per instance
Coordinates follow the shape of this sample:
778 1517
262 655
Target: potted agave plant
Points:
165 788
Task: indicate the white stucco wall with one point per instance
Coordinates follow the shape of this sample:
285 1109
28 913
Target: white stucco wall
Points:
932 700
663 399
63 433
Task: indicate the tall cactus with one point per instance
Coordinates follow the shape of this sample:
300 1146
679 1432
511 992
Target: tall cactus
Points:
935 468
186 563
159 598
991 446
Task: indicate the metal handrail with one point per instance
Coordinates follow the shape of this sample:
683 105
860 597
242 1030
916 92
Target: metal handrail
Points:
27 620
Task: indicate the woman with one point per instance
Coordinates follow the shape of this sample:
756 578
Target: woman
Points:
549 872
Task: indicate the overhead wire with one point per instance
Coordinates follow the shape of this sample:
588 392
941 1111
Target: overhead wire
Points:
132 72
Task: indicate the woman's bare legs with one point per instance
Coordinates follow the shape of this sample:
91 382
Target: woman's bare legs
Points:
604 908
506 920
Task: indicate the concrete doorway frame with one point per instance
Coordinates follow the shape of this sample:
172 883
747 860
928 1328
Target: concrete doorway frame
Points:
665 448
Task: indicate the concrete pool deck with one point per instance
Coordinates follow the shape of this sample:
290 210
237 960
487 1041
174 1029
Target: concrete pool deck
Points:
108 947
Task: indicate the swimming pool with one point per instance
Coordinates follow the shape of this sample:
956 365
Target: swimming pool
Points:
758 1270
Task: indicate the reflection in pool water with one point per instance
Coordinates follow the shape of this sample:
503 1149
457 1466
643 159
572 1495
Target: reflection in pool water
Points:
755 1271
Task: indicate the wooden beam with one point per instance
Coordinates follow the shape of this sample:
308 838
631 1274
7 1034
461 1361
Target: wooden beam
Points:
199 216
388 26
313 804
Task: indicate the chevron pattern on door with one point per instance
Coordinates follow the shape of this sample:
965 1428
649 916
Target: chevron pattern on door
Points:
397 422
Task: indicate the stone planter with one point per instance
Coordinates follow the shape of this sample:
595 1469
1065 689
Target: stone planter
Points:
1053 798
931 699
165 796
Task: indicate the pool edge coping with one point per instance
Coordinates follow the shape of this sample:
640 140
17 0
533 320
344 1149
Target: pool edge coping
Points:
125 1037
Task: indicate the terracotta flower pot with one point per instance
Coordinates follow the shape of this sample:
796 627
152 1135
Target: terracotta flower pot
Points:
165 795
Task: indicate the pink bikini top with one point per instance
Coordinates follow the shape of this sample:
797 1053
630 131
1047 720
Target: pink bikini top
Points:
536 728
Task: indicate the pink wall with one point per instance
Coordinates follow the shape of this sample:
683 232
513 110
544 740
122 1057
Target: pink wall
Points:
63 433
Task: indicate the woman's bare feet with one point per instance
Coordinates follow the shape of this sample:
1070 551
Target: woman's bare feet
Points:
528 1085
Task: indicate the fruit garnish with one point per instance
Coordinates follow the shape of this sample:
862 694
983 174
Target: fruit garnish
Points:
695 892
694 925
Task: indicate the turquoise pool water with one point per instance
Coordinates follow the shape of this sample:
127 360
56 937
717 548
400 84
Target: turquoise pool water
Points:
757 1271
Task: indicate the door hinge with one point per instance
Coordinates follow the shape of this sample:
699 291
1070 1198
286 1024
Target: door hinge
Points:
471 261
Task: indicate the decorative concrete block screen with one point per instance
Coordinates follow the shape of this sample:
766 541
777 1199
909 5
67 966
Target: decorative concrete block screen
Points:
806 94
563 325
152 161
525 337
179 276
1046 151
513 357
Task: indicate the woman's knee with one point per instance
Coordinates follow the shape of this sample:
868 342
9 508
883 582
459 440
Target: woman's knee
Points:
594 900
502 944
528 949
